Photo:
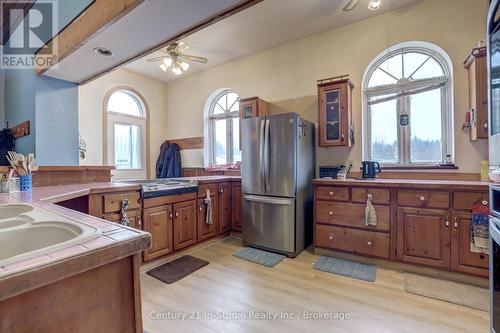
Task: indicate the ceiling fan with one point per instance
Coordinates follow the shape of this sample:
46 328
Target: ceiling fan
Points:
176 58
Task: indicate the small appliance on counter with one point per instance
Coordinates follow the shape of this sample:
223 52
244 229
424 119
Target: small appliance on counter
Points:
370 169
329 171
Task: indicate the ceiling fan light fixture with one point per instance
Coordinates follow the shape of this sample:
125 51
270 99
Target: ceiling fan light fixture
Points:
184 66
163 67
177 70
374 4
167 61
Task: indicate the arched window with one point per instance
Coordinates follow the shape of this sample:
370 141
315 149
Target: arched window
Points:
126 133
222 128
407 116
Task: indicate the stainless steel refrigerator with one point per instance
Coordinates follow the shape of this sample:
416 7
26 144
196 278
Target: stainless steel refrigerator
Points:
278 162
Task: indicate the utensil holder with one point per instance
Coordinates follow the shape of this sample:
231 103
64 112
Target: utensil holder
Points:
26 183
14 185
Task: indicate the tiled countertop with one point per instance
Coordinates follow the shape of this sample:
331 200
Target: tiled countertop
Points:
413 183
113 235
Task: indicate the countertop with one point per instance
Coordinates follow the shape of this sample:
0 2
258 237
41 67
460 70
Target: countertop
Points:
412 183
215 179
115 242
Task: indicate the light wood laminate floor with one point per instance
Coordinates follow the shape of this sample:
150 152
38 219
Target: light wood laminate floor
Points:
231 286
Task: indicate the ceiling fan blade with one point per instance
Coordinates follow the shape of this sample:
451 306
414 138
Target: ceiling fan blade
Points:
195 58
156 59
177 47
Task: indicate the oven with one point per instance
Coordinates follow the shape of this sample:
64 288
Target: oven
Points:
495 259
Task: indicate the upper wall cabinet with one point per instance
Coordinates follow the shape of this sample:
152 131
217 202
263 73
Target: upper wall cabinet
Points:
478 93
334 112
252 107
129 29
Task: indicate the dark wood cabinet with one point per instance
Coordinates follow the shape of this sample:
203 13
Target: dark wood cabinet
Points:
225 222
158 221
478 92
334 112
206 231
134 218
462 259
424 236
184 227
252 107
236 197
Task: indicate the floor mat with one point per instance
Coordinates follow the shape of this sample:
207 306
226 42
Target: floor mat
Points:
260 257
346 268
448 291
179 268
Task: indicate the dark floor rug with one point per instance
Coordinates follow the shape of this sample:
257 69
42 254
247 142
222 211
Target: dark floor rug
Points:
175 270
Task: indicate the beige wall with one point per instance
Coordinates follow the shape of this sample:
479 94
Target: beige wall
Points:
90 108
286 76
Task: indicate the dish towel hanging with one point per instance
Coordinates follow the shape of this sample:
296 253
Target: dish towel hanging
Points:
124 221
370 214
208 202
480 229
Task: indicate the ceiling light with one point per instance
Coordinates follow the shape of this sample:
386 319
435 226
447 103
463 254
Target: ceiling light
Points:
184 66
350 5
103 51
176 70
164 67
167 61
374 4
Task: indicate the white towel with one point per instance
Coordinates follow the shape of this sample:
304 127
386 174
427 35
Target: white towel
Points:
370 214
208 202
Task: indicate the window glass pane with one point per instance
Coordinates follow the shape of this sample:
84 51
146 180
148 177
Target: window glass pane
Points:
393 66
220 144
122 102
232 103
218 109
413 61
380 78
426 133
430 69
127 146
236 140
222 101
384 132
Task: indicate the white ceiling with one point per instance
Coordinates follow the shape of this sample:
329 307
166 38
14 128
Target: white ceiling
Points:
261 27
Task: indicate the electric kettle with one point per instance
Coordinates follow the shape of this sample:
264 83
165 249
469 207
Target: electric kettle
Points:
370 169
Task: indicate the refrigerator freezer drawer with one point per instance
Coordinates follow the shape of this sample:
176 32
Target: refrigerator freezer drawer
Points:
269 222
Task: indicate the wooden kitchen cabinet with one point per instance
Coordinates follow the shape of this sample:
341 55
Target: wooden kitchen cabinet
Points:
206 231
134 218
225 221
236 197
478 92
252 107
184 226
158 221
462 259
334 112
424 236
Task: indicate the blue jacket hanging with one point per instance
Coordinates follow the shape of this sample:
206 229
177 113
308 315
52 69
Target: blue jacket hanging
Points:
169 163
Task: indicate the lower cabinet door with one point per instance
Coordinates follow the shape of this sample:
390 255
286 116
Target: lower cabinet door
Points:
134 218
184 224
236 203
225 223
424 236
158 222
462 258
206 231
375 244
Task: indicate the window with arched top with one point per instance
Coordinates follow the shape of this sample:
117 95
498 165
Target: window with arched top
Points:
407 116
126 120
222 128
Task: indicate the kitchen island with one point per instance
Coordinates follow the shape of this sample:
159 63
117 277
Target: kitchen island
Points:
89 287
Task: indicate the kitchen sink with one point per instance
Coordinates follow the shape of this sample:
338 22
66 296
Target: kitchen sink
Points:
28 231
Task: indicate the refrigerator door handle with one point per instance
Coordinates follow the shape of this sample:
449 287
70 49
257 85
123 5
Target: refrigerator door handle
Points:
261 152
267 157
268 200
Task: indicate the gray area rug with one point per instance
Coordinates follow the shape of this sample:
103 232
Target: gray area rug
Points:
260 257
346 268
448 291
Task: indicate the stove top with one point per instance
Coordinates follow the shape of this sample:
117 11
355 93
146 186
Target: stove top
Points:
161 187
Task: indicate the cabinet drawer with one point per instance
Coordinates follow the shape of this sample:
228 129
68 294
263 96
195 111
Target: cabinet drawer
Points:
465 200
351 240
423 199
202 190
379 196
113 202
332 193
350 215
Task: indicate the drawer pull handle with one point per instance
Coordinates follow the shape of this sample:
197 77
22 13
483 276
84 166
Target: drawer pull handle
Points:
484 202
330 213
201 208
170 215
455 225
176 214
422 198
331 193
330 237
369 243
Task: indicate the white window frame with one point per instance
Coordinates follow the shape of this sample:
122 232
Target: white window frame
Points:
209 128
114 117
404 155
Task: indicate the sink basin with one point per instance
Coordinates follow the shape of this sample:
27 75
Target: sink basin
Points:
28 231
